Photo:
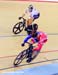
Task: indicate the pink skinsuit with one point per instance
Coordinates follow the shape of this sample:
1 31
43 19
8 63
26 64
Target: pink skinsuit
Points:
42 38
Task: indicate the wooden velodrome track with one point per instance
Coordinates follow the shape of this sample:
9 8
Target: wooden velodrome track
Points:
10 44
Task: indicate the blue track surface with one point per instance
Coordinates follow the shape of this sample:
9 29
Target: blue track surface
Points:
50 69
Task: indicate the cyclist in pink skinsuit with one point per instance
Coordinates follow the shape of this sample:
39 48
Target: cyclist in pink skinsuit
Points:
38 37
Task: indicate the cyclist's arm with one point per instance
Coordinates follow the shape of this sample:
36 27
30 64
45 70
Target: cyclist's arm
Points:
25 13
27 38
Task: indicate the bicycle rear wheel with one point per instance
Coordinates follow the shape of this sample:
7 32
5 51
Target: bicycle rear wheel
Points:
18 27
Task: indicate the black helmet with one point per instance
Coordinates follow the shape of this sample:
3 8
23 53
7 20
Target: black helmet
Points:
34 30
30 7
34 27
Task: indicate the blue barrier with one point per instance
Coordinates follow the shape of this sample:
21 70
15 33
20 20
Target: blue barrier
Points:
50 69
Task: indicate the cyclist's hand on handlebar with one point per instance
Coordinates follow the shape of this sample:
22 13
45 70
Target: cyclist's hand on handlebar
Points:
25 28
23 44
20 17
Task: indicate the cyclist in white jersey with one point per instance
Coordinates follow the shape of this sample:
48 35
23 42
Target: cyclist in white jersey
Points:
33 14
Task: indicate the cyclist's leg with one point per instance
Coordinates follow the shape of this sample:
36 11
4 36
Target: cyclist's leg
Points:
33 56
37 49
29 21
35 52
29 53
28 29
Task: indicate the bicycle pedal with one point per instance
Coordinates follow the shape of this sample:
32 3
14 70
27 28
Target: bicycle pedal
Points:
27 56
29 60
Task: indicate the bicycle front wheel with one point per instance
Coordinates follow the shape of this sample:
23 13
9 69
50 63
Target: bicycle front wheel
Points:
18 27
19 58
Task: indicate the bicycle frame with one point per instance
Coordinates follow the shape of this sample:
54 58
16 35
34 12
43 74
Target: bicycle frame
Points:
24 20
22 55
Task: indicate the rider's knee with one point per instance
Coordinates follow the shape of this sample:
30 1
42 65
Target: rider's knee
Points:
38 48
35 53
29 21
